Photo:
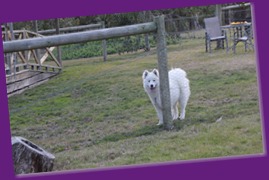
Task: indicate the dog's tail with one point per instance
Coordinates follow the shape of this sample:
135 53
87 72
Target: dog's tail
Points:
183 82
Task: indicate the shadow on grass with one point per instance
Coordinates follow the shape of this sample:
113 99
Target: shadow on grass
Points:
144 131
149 130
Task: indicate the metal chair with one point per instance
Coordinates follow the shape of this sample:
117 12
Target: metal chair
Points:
214 33
245 37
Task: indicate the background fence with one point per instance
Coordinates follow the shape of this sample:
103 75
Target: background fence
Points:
179 23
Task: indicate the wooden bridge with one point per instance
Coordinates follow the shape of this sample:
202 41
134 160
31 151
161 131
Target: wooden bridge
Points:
30 67
25 69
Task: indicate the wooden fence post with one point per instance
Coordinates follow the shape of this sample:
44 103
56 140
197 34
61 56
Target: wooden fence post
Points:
163 72
59 49
7 55
147 44
37 51
104 45
13 55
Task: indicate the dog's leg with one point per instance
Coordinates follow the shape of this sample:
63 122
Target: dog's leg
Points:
182 113
184 97
158 109
175 112
160 116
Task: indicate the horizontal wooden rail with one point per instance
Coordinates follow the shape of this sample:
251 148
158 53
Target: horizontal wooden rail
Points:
70 29
79 37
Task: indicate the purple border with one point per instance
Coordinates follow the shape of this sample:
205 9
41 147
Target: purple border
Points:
252 167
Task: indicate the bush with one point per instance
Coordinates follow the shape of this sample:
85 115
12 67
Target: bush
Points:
114 46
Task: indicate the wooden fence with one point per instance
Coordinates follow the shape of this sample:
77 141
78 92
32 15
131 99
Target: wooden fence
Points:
79 37
80 28
72 29
158 27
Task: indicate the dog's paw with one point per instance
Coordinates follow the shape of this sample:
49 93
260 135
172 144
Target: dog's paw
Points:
159 124
182 117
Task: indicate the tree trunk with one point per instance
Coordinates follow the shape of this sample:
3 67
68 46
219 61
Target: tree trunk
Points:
30 158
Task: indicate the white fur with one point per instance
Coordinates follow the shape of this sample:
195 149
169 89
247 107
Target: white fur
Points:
179 91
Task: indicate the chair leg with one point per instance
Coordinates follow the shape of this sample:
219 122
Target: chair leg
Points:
226 43
206 45
206 42
234 46
251 44
209 43
246 46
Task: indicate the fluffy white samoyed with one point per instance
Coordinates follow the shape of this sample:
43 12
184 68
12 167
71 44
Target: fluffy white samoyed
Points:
179 91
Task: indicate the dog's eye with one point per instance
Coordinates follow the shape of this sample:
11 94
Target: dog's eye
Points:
153 80
148 80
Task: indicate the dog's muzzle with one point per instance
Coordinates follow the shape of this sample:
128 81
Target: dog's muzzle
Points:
152 87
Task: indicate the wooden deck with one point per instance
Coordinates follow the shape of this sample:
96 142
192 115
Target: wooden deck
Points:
26 79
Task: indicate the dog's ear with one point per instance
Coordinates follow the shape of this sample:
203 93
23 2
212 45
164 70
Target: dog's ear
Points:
156 72
145 74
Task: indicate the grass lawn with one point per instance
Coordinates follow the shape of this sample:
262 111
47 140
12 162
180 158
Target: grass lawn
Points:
96 114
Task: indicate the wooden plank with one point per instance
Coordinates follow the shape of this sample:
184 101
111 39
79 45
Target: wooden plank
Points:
18 85
59 50
63 39
70 29
20 76
22 57
44 57
36 30
20 36
35 57
44 68
28 87
53 57
28 56
28 53
33 33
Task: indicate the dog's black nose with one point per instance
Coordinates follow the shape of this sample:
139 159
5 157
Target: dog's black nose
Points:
151 86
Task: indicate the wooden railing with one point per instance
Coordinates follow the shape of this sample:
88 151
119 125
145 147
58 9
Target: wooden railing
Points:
43 59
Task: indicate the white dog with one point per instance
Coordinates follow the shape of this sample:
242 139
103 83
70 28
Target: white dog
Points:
179 91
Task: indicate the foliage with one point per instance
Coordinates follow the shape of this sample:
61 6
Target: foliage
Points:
118 19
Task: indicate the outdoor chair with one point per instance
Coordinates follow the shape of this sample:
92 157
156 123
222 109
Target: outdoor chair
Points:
214 33
246 38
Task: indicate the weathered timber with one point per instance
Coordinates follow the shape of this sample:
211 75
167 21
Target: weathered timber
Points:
72 38
104 44
23 74
70 29
26 79
29 157
59 50
163 73
44 57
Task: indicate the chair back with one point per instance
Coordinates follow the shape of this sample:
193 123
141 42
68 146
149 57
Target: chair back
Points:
212 26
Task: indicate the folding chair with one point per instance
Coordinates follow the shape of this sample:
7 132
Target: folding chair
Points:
214 33
246 38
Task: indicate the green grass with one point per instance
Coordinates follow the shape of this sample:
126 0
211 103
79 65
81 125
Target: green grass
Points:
96 114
